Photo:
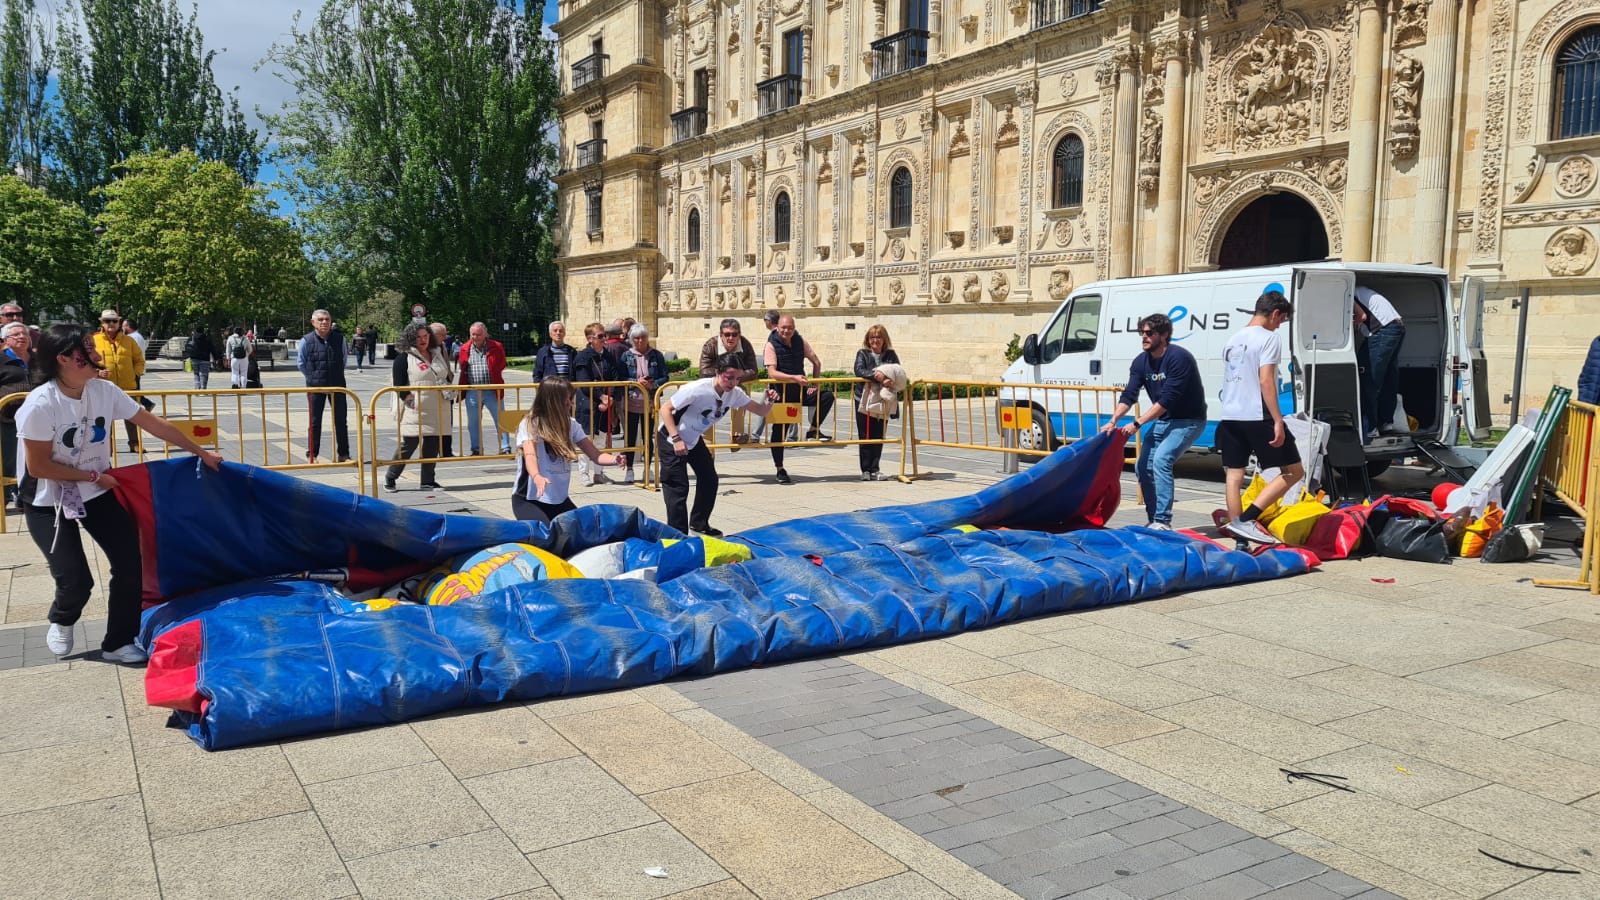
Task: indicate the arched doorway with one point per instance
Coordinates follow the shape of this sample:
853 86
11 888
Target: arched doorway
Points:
1273 229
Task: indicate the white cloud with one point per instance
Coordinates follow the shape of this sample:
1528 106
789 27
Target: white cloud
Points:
242 31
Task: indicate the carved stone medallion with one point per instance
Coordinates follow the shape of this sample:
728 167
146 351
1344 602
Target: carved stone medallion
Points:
897 292
999 287
1060 283
1063 232
943 290
833 294
971 289
852 294
1069 86
1575 176
1570 251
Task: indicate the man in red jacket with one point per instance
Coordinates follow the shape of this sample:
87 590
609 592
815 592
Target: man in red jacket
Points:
482 361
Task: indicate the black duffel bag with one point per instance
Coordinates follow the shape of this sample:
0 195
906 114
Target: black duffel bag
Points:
1419 540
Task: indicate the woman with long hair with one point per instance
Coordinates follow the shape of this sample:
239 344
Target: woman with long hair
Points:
422 416
876 351
550 439
66 426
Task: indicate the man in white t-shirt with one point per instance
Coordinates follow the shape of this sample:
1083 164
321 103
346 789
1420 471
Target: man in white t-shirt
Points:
1252 422
686 415
1385 331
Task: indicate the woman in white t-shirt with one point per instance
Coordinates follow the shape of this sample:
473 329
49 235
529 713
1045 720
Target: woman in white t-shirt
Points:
551 439
64 430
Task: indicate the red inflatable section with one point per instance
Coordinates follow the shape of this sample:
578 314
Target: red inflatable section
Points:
174 669
134 493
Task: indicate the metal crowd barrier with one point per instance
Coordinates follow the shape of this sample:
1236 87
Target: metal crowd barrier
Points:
447 404
245 425
1570 471
1015 420
795 415
9 404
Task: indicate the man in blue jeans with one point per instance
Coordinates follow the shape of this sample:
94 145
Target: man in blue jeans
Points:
482 361
1167 373
1377 318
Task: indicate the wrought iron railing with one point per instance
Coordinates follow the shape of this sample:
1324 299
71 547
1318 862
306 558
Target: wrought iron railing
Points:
776 94
589 69
591 153
688 123
898 53
1049 12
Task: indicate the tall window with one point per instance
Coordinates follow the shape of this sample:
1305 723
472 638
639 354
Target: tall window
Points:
1577 81
702 88
900 198
1066 173
780 218
592 196
794 47
694 231
914 15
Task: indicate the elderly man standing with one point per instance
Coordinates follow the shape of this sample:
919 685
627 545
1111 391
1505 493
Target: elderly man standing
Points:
482 361
12 312
16 358
730 340
321 361
786 356
556 357
124 363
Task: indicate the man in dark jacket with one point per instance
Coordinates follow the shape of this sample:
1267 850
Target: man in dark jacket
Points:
556 357
1168 374
15 357
321 361
1589 376
201 353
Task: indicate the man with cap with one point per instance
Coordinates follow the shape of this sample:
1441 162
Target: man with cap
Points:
123 361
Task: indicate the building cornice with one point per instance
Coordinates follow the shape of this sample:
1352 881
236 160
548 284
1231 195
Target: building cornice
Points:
637 254
635 73
639 159
586 14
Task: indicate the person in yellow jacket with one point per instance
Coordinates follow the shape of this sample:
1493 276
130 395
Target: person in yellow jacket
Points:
122 360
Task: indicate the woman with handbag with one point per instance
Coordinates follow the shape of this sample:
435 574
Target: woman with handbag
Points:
872 415
420 415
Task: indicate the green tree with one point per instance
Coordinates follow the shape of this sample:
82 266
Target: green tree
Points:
134 76
187 240
44 251
420 145
24 78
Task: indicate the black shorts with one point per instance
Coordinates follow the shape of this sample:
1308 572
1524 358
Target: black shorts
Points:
1237 440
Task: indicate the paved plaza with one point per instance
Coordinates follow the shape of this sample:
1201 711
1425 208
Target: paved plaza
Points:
1130 752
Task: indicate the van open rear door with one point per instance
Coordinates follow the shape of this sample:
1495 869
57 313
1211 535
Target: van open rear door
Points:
1469 363
1323 341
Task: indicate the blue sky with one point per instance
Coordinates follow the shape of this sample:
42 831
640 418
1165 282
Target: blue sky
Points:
242 31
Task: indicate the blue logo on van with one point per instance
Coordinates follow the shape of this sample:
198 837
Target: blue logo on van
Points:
1178 314
1275 287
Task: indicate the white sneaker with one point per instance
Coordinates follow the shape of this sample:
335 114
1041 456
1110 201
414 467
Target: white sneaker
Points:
1159 526
127 654
628 477
1250 531
59 639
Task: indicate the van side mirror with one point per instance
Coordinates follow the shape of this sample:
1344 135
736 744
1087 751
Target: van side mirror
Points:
1030 350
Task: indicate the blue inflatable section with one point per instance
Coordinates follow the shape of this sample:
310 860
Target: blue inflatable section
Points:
273 659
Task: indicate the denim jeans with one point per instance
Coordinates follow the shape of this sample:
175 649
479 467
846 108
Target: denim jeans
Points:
476 402
202 373
1382 384
1164 442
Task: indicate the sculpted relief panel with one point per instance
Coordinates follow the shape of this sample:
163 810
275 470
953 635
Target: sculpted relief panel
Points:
1276 85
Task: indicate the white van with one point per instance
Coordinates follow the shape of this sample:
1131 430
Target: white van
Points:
1093 337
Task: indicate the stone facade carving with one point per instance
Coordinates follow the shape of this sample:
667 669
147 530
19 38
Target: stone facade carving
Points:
1575 176
852 294
1570 251
897 292
943 291
690 301
1150 135
1069 86
1060 283
1535 51
813 294
959 144
1405 97
1062 231
1491 171
1411 22
745 298
1231 192
999 287
1271 86
972 289
664 301
778 298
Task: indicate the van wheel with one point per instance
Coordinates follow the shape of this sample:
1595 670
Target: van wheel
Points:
1376 467
1036 438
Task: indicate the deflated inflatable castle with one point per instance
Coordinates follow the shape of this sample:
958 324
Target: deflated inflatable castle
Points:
325 609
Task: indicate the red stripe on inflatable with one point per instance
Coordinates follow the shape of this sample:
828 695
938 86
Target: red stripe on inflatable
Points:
171 678
1105 490
136 496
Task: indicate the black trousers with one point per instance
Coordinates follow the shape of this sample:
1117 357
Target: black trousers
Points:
635 433
821 402
113 529
870 429
341 424
408 446
675 483
533 511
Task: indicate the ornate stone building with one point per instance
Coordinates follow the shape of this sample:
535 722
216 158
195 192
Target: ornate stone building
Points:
951 168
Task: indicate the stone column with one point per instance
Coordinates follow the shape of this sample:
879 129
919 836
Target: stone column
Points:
1169 195
1366 106
935 30
1125 161
1433 155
